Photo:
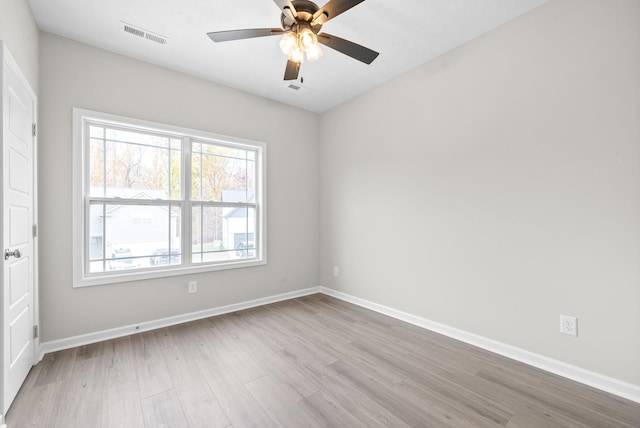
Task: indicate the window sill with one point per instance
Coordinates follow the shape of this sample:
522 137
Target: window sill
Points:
139 275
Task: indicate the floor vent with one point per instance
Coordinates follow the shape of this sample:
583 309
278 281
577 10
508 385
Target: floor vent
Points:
137 31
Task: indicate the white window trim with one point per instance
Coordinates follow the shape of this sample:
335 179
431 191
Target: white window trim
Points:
79 238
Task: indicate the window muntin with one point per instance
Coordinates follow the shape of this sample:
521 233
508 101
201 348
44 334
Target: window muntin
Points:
137 217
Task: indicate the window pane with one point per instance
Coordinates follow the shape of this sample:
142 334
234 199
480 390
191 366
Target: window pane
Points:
96 155
196 177
207 237
135 165
96 131
223 233
175 189
136 236
222 174
240 231
96 238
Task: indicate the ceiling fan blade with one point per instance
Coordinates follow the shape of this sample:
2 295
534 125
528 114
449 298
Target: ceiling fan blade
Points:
334 8
226 36
346 47
292 70
282 4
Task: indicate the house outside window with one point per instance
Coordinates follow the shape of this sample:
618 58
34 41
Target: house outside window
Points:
154 200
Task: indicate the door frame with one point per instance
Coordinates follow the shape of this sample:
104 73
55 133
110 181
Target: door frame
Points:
8 59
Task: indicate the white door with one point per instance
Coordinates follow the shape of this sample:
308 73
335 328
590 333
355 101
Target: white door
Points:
18 345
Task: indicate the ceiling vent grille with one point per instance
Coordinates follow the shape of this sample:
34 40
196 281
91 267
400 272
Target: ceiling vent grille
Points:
137 31
155 38
300 88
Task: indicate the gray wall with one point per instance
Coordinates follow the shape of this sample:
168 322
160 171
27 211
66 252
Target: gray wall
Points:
19 31
76 75
498 187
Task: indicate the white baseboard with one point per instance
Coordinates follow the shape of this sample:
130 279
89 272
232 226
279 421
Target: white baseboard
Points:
99 336
596 380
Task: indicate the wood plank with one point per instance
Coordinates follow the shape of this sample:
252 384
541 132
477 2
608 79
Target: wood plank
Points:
200 406
56 366
329 413
121 406
281 403
564 405
151 370
79 399
384 396
354 401
237 359
163 410
121 367
241 408
33 409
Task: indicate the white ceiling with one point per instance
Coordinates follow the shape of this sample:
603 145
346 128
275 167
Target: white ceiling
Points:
406 33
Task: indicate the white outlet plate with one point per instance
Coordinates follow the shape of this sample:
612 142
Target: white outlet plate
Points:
568 325
193 287
336 271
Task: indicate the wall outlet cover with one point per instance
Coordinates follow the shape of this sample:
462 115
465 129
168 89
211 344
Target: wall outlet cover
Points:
193 287
568 325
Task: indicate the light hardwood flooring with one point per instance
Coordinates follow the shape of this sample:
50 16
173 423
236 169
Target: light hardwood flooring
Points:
309 362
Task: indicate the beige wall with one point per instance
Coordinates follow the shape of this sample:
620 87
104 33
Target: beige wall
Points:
76 75
498 187
18 30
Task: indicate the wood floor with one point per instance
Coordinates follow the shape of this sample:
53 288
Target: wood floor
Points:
309 362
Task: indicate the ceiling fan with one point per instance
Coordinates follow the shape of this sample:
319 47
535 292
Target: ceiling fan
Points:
302 22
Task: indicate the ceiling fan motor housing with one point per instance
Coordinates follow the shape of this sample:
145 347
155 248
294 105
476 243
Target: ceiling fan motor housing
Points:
305 10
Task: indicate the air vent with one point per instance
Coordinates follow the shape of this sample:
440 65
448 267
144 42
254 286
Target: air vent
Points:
137 31
156 38
133 30
303 89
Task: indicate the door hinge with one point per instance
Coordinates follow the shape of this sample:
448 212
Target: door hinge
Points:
34 129
35 331
35 230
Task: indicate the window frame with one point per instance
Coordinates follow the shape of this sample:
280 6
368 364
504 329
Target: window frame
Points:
81 200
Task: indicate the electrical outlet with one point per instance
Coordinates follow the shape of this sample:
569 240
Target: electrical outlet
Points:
336 271
568 325
193 287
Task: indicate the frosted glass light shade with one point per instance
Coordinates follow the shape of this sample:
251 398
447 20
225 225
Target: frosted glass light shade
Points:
307 39
288 42
296 55
314 53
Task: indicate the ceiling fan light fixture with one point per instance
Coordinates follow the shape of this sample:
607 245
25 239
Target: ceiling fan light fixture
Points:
296 55
314 53
296 43
307 39
288 42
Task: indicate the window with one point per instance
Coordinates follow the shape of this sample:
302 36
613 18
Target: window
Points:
154 200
